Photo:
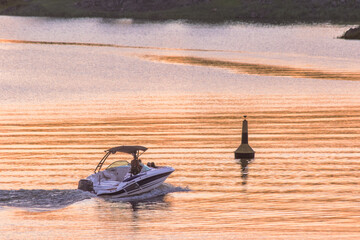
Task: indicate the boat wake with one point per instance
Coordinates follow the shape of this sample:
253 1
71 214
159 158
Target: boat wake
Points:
160 191
43 200
40 199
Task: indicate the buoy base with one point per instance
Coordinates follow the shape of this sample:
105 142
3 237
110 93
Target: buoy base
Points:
244 155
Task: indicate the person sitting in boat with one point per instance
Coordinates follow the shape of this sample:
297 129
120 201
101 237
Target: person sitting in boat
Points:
151 164
135 166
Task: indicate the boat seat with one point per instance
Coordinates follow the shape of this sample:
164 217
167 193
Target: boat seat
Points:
108 175
121 172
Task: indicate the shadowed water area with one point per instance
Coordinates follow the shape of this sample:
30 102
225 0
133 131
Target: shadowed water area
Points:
259 69
73 88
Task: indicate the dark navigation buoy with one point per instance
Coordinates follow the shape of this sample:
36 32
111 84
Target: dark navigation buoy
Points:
244 151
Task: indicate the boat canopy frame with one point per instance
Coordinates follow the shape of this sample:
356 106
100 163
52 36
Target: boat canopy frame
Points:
135 151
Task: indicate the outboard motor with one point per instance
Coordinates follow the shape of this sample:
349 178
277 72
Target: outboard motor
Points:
86 185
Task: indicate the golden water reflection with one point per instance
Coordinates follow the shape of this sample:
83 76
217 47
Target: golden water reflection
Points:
304 178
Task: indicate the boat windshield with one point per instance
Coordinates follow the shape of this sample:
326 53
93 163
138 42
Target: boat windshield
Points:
118 164
145 168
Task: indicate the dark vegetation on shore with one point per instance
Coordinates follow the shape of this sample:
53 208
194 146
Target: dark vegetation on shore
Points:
263 11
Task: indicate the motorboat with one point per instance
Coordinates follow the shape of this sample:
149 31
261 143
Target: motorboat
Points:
119 179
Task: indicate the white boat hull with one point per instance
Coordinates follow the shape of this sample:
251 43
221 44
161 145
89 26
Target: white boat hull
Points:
135 185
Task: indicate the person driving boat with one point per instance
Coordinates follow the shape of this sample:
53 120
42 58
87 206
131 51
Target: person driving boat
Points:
135 166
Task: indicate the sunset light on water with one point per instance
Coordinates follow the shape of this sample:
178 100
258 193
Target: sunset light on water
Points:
73 88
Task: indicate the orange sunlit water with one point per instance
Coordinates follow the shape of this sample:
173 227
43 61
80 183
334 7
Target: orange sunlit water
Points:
304 178
71 88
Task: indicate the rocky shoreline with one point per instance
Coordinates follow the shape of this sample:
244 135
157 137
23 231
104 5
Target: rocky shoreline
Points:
352 33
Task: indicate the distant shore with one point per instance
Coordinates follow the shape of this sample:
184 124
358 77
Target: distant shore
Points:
212 11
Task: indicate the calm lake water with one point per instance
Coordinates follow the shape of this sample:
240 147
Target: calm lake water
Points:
75 87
